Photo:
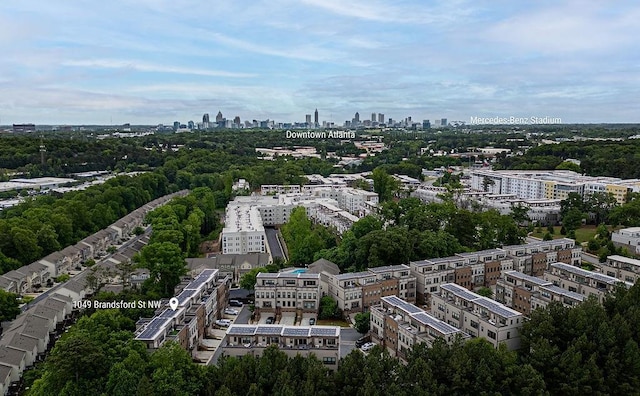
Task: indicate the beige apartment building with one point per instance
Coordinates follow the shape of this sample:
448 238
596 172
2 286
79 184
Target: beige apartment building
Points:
623 268
477 316
290 291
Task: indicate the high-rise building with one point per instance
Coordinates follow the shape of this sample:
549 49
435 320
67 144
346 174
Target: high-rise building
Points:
380 118
357 117
373 117
236 120
191 124
426 124
176 125
205 118
307 118
219 117
315 117
443 122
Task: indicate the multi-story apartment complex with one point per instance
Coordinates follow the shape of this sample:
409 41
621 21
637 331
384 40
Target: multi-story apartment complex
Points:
515 290
477 316
550 184
398 325
540 211
470 270
321 341
623 268
536 257
578 280
550 293
358 291
243 232
291 291
200 303
628 238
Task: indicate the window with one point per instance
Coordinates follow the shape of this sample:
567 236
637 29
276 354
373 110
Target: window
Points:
491 334
329 360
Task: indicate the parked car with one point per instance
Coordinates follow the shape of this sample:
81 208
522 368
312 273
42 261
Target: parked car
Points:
362 340
231 311
223 322
235 303
312 321
270 320
367 347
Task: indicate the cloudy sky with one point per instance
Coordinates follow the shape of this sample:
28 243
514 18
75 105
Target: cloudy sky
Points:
156 61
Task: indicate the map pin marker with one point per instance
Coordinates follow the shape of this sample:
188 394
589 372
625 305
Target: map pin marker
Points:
173 303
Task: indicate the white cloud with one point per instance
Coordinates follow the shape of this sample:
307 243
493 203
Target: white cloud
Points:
150 67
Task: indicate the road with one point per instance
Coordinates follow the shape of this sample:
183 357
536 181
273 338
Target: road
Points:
274 243
348 338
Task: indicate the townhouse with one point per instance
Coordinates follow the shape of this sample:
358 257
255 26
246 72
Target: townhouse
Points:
470 270
578 280
321 341
628 238
398 326
289 291
200 302
623 268
477 316
535 258
358 291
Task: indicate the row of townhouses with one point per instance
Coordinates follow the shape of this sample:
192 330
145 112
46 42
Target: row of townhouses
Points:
35 275
200 302
26 339
398 325
483 268
321 341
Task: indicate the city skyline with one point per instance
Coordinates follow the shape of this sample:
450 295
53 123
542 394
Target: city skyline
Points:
150 62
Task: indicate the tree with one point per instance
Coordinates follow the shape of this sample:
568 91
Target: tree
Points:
384 184
329 309
362 324
165 263
248 280
572 220
485 292
9 306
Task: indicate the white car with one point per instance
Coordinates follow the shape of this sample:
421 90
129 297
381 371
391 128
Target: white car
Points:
367 347
223 322
231 311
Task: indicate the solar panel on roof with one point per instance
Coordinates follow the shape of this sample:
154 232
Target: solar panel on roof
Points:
439 325
323 331
241 330
497 308
459 291
296 331
269 330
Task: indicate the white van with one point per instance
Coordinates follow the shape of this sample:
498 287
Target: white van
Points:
223 322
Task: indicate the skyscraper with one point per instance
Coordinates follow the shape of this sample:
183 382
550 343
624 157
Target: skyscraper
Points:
373 117
380 118
205 118
307 118
443 122
357 117
315 117
219 117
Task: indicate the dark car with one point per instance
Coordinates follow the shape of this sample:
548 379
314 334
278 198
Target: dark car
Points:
270 320
362 340
312 321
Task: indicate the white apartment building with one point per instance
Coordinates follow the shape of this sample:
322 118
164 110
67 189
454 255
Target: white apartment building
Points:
321 341
398 325
287 292
624 268
628 238
578 280
550 184
477 316
243 232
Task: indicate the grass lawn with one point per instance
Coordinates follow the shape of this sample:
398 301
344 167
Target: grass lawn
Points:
583 234
333 322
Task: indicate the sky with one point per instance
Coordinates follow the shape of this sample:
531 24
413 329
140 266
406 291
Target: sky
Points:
156 61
